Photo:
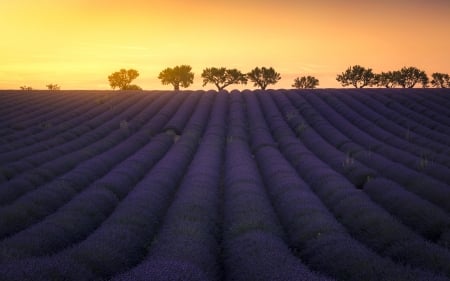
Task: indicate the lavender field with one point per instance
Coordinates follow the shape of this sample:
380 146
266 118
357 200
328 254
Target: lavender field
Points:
273 185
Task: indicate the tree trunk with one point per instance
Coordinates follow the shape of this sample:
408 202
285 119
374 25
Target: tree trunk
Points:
176 86
219 88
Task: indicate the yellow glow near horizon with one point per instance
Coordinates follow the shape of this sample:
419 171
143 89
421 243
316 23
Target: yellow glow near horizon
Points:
77 44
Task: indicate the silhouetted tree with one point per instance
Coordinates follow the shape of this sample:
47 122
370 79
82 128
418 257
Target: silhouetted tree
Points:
177 76
440 80
26 88
122 79
262 77
133 87
388 79
410 76
53 87
357 76
223 77
305 82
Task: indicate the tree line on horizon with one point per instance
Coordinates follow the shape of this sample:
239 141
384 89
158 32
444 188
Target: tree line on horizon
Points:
261 77
406 77
357 76
182 76
50 87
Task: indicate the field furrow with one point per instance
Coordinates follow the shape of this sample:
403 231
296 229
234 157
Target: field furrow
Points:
323 184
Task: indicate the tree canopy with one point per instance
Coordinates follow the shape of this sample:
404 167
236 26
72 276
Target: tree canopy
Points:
53 87
305 82
122 79
357 76
223 77
388 79
26 88
132 87
177 76
440 80
262 77
410 76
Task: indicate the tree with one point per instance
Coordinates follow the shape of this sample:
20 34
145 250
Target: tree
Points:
122 79
53 87
26 88
410 76
305 82
133 87
177 76
440 80
388 79
223 77
262 77
357 76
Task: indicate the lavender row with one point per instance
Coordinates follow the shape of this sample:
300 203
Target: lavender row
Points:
121 241
68 119
41 202
402 132
433 105
34 104
403 143
99 125
365 220
21 120
85 212
177 122
16 110
52 117
415 109
186 246
9 99
423 217
44 167
314 233
13 100
382 147
383 116
356 172
426 187
415 120
27 159
85 141
254 241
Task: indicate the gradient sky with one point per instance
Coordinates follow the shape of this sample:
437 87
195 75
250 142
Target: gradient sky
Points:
77 44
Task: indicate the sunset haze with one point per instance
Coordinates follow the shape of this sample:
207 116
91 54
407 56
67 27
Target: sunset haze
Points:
77 44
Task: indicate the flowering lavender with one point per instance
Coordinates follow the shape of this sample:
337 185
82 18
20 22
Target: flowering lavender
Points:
253 185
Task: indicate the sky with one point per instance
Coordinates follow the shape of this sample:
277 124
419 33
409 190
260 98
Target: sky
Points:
77 44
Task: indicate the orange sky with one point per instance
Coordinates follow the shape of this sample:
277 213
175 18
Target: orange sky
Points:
77 44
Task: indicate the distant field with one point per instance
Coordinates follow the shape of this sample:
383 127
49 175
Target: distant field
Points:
269 185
